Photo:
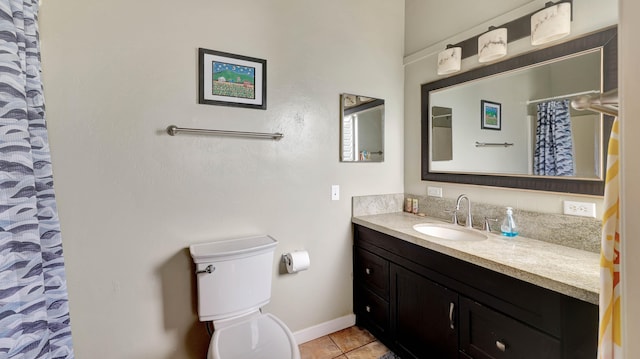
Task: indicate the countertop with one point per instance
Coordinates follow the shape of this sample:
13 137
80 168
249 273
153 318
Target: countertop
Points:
573 272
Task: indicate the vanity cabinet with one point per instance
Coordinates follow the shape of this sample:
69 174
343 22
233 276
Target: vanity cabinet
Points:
424 304
489 334
371 294
423 315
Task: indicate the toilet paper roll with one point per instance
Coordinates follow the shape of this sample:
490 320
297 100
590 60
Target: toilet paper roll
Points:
297 261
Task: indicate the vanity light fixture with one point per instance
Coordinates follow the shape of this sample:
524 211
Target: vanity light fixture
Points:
551 23
449 60
492 45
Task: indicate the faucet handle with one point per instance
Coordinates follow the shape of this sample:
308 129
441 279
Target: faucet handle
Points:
487 224
454 215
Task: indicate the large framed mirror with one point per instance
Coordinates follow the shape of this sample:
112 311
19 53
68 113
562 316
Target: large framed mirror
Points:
489 126
361 128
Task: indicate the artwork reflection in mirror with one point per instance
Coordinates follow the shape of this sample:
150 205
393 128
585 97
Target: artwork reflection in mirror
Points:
549 138
361 129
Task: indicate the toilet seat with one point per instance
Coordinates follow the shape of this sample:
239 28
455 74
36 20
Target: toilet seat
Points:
252 336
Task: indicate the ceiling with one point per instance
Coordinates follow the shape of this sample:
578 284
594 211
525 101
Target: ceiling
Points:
439 20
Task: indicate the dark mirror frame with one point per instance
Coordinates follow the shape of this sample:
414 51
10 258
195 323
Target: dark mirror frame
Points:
607 39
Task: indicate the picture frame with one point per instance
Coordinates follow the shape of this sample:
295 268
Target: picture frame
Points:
491 115
226 79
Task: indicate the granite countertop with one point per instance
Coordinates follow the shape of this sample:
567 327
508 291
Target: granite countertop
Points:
573 272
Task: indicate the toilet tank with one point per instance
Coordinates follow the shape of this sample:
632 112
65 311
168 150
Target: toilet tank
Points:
240 278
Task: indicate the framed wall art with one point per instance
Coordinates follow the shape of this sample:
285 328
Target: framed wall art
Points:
232 80
491 115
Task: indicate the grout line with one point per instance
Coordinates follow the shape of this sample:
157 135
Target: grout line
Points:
343 353
337 346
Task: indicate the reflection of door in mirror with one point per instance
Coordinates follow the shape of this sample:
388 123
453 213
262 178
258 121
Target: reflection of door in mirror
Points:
441 135
361 129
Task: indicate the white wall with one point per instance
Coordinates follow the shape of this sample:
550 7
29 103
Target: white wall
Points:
588 15
131 198
630 170
441 19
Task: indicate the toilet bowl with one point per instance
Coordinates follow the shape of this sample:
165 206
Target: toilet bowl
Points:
254 336
234 282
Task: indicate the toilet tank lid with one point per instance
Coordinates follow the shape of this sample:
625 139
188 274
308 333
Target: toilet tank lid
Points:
231 248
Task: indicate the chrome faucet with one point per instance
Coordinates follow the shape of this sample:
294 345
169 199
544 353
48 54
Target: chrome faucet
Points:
469 222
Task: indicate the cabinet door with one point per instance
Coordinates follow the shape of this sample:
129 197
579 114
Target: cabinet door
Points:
487 334
372 312
424 315
371 292
372 272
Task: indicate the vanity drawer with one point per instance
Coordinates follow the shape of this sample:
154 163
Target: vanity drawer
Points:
486 334
372 310
372 271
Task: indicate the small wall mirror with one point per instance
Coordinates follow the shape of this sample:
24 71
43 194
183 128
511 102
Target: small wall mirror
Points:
361 128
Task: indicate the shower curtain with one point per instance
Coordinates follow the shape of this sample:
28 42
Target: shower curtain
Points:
553 155
34 315
610 338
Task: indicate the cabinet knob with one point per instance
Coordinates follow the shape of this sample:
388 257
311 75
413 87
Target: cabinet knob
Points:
367 270
501 346
368 309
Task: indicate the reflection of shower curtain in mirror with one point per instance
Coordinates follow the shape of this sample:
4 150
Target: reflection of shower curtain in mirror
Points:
554 143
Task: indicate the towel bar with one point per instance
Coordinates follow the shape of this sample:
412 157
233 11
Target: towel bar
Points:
174 130
490 144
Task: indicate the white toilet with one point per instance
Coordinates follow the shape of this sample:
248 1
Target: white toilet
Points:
234 281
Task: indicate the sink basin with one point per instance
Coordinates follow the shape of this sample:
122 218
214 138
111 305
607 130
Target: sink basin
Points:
450 231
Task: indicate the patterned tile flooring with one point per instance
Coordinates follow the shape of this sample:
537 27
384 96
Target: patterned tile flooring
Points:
350 343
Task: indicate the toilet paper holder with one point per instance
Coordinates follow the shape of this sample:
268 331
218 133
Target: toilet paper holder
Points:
296 261
286 259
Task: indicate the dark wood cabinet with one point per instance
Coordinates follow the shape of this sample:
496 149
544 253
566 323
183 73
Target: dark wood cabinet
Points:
424 315
371 291
424 304
487 334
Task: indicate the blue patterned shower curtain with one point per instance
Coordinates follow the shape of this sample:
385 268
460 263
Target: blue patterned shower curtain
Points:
554 143
34 313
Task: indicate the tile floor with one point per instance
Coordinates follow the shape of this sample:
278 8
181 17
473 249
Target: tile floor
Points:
350 343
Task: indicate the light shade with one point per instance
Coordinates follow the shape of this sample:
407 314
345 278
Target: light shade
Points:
449 60
492 45
551 23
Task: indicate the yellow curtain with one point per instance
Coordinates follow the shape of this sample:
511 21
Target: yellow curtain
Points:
610 336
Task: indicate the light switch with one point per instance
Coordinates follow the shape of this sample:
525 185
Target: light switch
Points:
335 192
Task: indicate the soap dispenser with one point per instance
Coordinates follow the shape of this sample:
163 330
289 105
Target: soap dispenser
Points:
508 227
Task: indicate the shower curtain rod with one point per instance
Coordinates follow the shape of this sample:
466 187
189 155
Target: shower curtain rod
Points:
590 92
606 103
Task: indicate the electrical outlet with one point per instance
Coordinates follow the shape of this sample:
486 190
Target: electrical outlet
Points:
584 209
434 191
335 192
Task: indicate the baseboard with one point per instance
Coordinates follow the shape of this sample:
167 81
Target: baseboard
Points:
322 329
